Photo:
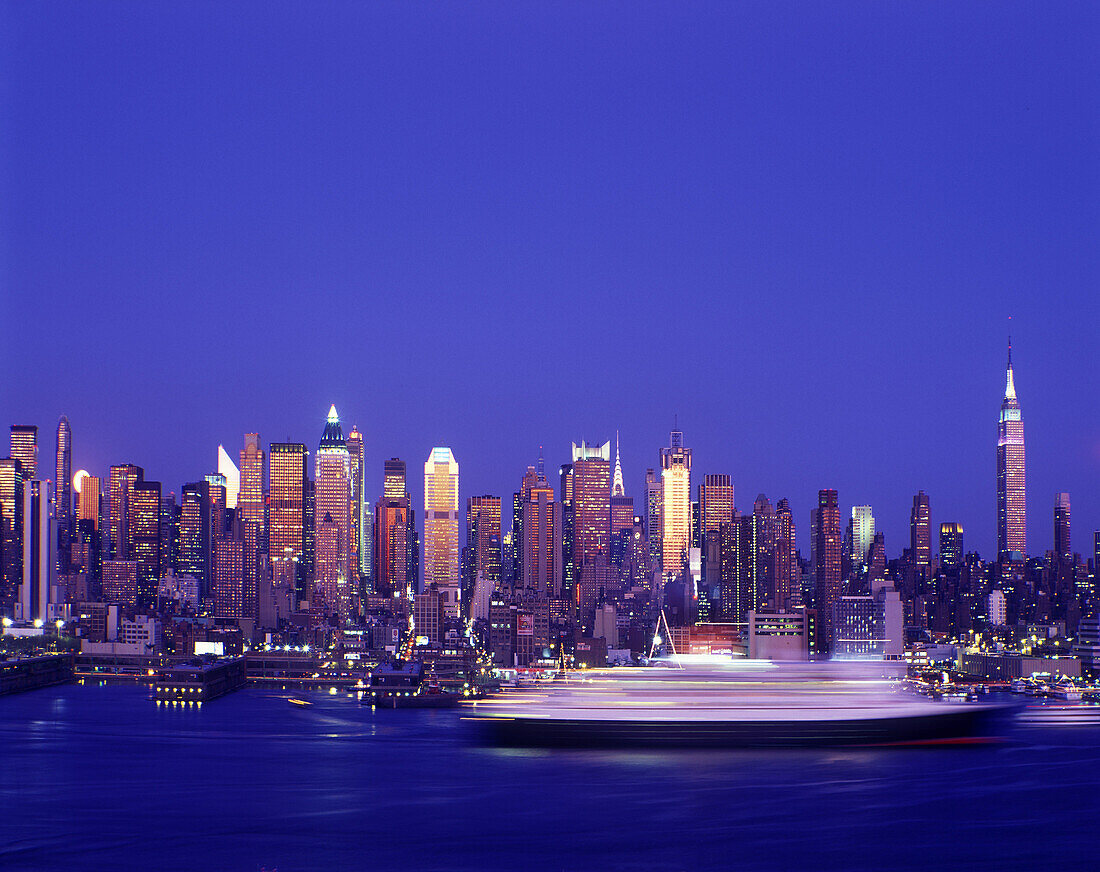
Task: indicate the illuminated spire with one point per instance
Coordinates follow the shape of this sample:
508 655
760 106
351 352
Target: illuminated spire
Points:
1010 385
333 435
617 489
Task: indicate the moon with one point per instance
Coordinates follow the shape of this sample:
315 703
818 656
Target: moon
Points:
78 479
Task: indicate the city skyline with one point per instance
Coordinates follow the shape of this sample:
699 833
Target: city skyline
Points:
1039 514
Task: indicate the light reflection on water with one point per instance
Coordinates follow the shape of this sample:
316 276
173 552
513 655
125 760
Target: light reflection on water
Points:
102 777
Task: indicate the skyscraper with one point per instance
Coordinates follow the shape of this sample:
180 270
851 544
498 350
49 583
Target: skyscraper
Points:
863 534
483 547
675 503
88 497
920 532
1011 484
715 509
441 564
591 490
653 523
228 572
196 534
715 502
618 489
63 489
355 453
121 490
1063 546
144 533
951 546
541 565
286 531
228 470
764 566
250 497
24 448
35 592
787 568
11 531
393 479
332 511
394 532
622 512
825 523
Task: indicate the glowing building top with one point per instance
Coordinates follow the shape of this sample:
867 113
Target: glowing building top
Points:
1011 473
617 488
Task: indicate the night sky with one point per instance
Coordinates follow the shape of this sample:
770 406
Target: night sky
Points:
801 228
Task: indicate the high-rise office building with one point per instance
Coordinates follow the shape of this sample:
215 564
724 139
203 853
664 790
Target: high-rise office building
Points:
541 565
735 589
482 554
37 587
653 521
591 492
120 582
11 531
63 488
231 475
88 488
715 509
863 534
618 489
1011 476
920 531
24 448
788 571
169 532
715 502
483 535
121 491
675 504
394 534
441 564
1063 546
250 497
622 512
332 513
825 524
355 453
951 546
228 577
764 565
393 479
196 535
286 508
568 529
219 508
144 532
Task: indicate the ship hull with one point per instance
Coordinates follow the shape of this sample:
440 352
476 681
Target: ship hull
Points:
955 725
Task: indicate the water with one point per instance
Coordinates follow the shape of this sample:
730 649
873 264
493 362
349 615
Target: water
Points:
100 777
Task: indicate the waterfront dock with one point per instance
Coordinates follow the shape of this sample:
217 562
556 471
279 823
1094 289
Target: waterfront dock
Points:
200 680
31 673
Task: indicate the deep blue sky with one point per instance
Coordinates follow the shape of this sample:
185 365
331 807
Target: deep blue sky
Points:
799 227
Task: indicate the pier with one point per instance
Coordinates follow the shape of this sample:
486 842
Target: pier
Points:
31 673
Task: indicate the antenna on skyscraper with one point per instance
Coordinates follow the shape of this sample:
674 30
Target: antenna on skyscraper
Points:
542 464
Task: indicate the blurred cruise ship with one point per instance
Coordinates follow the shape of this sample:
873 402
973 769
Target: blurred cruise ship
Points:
711 702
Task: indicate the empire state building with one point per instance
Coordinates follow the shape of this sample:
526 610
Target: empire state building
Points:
1011 508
